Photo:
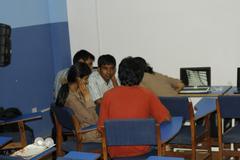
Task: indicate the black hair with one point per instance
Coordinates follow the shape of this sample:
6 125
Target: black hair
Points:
84 55
130 73
146 67
106 59
77 70
62 95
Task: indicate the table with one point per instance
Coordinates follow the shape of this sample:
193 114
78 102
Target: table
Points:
205 105
231 92
20 121
169 129
215 91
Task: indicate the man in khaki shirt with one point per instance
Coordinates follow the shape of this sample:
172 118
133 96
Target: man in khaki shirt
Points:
160 84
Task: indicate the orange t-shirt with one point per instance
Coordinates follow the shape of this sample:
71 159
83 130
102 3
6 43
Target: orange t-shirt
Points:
133 102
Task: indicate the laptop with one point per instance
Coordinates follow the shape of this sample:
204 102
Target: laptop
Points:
195 90
237 91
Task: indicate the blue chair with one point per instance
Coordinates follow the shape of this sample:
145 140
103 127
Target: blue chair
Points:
138 132
64 118
228 107
19 140
80 156
163 158
189 136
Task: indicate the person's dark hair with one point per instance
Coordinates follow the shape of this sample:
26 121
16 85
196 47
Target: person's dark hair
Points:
62 95
147 68
106 59
130 73
77 70
84 55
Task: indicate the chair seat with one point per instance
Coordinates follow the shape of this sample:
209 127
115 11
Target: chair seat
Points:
71 145
153 152
232 135
184 135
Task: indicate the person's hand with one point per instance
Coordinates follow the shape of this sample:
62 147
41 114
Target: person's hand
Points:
84 90
114 81
179 86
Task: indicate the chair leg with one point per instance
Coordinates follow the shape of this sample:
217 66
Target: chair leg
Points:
220 152
236 146
194 156
209 144
163 149
23 139
79 146
59 140
209 148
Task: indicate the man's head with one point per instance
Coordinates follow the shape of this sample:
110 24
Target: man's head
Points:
84 57
78 71
130 73
106 66
146 67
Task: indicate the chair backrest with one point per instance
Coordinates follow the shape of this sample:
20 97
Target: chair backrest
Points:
65 120
177 106
130 132
229 106
196 76
64 116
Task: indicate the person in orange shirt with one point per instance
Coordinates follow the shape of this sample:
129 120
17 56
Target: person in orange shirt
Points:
130 101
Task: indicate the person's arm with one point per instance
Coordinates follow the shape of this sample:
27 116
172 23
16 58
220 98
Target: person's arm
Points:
82 114
98 102
175 83
179 86
84 91
114 81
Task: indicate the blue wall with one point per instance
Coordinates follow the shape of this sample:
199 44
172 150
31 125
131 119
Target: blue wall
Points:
40 47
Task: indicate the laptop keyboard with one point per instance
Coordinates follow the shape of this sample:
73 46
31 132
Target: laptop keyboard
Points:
237 91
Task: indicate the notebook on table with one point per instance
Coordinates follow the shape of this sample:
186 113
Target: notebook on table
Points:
33 151
195 90
237 91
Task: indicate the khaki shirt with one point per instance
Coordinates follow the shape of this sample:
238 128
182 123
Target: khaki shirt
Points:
85 113
160 84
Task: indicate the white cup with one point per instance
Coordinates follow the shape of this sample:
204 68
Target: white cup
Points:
39 141
49 142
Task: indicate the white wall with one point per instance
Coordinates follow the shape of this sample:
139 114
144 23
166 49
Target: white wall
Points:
83 25
168 34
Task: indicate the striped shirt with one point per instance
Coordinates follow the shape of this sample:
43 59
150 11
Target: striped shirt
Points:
98 86
60 79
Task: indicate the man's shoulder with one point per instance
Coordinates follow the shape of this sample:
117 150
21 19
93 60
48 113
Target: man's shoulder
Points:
63 71
94 75
145 90
113 91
